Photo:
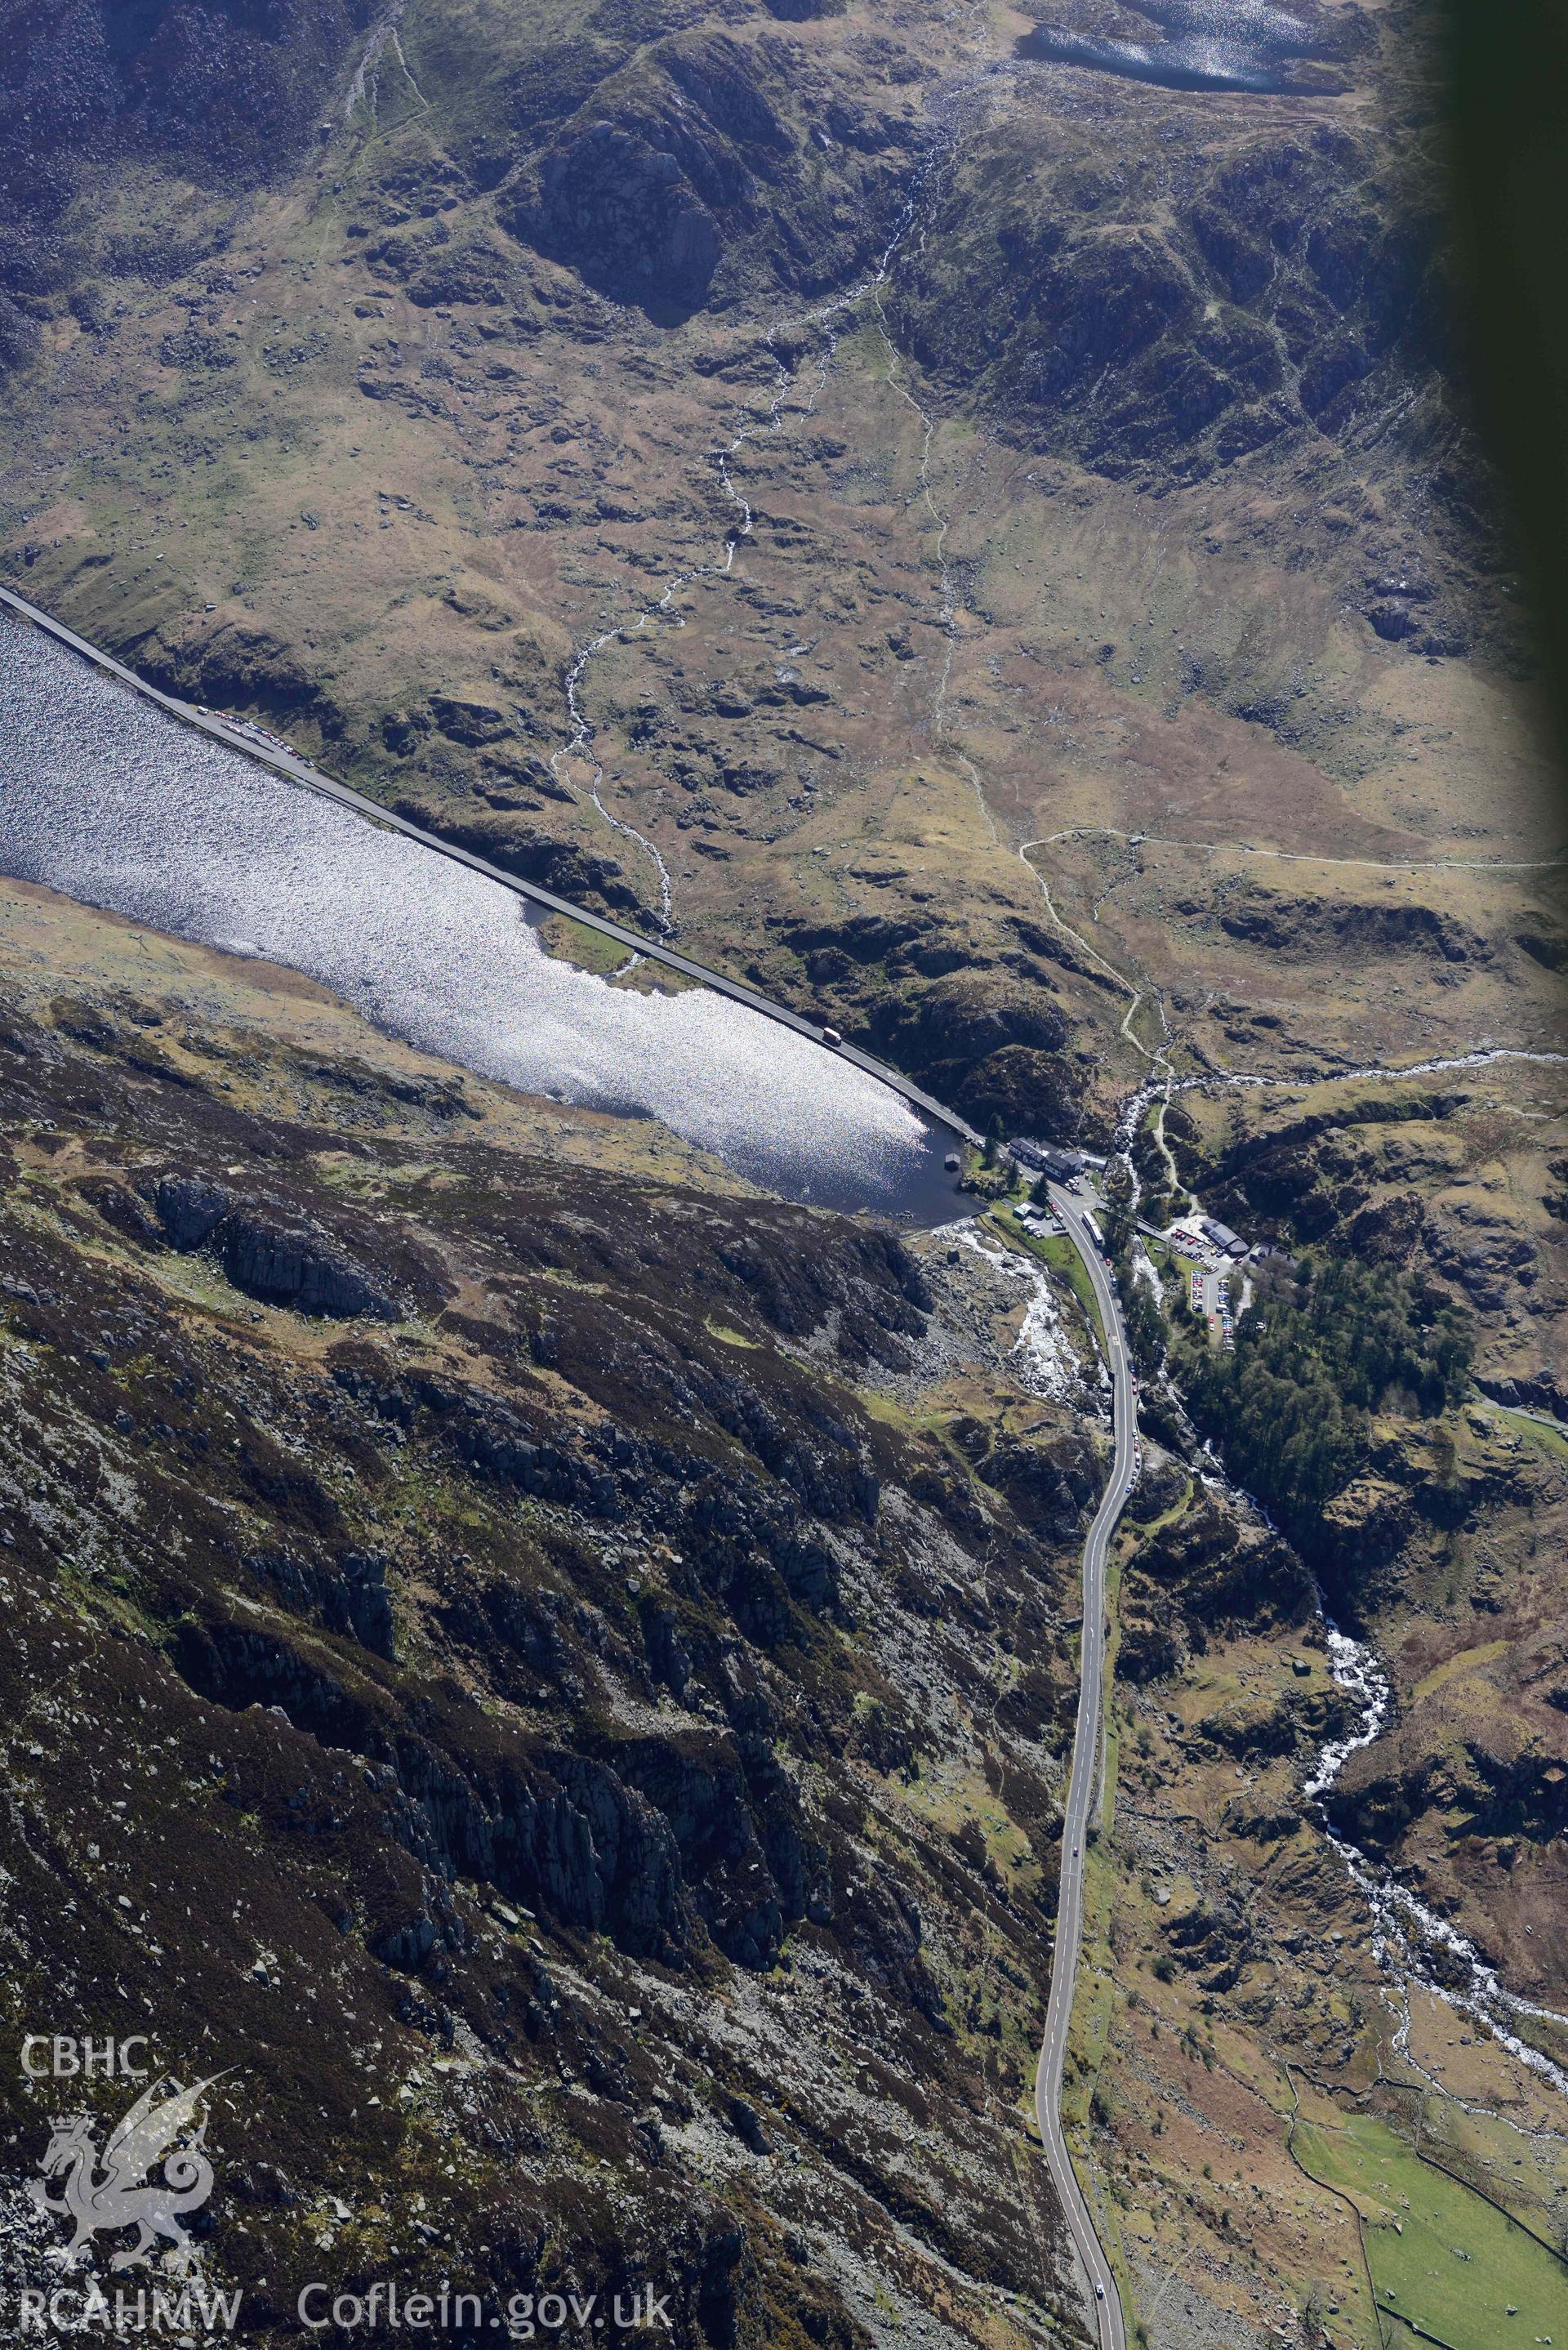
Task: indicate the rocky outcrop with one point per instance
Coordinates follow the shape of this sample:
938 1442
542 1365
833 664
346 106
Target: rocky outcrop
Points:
1417 1481
1185 313
696 162
1536 1390
1050 1485
347 1592
1482 1251
1149 1649
584 875
750 1540
266 1253
1162 1486
229 92
466 718
640 1840
1280 924
921 993
189 1208
754 1868
20 338
1492 1783
624 211
1219 1568
296 1266
1208 1936
633 198
232 665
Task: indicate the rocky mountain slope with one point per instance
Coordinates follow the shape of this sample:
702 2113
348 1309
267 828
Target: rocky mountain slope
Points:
506 1655
1136 492
982 512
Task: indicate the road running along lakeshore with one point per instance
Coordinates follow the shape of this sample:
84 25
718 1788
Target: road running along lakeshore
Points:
1088 1736
299 771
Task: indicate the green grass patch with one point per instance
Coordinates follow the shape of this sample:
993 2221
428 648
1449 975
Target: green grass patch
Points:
1550 1439
883 1407
1444 2262
731 1337
580 943
586 948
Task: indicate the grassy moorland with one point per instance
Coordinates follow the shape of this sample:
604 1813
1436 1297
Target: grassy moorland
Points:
1446 2264
1123 612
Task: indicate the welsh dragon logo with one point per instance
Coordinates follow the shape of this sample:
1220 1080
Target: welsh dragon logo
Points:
102 2197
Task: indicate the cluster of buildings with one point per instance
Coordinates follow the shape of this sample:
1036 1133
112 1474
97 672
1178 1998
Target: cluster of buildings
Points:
1206 1235
1049 1159
1215 1245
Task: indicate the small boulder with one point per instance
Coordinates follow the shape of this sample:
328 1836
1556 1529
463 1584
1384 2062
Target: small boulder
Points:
747 2124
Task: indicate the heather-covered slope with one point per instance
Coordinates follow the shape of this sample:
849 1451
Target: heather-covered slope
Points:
1121 656
499 1657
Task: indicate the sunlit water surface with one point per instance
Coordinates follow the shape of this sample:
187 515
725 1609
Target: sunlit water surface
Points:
1208 45
108 799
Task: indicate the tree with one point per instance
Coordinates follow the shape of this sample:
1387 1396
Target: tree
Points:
1141 1315
1313 1358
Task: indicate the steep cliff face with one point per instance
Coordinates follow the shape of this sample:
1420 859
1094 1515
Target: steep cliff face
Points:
557 1720
1203 1573
706 160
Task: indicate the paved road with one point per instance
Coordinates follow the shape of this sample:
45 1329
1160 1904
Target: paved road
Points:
284 763
1088 1736
1081 1793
